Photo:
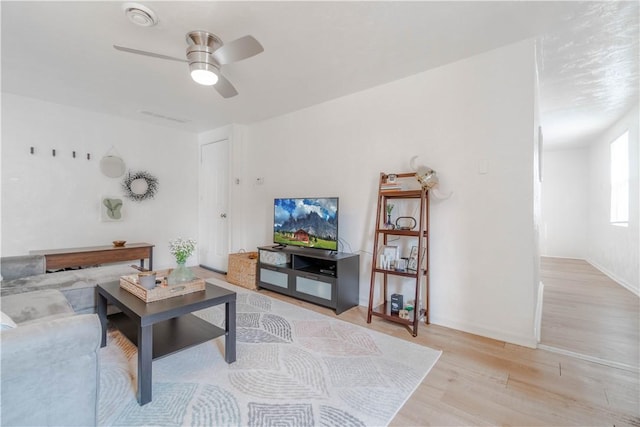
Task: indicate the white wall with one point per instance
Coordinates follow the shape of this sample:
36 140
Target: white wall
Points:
565 206
54 202
612 249
457 118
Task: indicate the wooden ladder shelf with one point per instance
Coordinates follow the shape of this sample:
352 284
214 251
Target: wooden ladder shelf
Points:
417 237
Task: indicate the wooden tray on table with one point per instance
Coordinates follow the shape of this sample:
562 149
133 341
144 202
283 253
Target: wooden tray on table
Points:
161 291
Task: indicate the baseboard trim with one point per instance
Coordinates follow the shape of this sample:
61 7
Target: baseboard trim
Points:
613 277
215 270
525 341
562 257
537 326
610 363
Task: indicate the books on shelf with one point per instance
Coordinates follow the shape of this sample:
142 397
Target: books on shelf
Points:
391 187
405 182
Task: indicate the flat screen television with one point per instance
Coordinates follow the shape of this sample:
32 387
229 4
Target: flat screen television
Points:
307 222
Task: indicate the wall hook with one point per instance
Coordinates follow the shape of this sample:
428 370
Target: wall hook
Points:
32 150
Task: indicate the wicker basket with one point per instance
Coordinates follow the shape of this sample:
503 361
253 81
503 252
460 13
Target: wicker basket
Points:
241 269
162 291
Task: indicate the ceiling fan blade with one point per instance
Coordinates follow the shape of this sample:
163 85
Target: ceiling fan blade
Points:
237 50
145 53
224 87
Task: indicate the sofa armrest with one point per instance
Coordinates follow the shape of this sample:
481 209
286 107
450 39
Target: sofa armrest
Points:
28 346
50 372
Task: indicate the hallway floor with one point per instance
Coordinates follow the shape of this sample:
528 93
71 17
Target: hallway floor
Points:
586 312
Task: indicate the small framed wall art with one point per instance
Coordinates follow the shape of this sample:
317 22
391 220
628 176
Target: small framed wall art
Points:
111 209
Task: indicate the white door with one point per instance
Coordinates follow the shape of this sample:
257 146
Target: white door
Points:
213 241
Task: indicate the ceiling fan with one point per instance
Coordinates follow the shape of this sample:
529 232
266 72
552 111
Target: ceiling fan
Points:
206 54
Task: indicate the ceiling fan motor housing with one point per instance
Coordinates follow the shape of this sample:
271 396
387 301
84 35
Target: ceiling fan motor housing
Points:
199 52
203 38
204 68
202 54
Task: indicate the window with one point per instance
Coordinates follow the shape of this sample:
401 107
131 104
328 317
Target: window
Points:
620 180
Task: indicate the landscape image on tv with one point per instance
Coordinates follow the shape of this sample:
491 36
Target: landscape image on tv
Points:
311 223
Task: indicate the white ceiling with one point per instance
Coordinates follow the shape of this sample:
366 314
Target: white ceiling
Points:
315 51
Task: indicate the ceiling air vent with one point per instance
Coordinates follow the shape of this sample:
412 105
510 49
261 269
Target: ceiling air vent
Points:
140 14
162 116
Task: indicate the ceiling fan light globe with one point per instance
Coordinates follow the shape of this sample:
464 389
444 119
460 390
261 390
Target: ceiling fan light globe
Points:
204 77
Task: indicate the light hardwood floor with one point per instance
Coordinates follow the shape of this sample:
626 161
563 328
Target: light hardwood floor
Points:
586 312
480 381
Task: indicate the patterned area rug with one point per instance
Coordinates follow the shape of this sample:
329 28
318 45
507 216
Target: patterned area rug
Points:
294 367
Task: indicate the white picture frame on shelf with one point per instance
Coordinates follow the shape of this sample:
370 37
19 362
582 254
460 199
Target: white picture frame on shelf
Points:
388 257
390 251
413 258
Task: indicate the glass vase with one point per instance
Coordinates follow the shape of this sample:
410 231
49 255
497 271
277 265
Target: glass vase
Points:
389 225
180 274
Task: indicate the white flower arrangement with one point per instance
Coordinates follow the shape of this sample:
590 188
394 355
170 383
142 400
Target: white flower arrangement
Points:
182 249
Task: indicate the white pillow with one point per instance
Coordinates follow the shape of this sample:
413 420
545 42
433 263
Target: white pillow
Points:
6 322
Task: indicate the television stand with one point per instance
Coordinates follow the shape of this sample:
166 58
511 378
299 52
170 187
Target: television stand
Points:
330 279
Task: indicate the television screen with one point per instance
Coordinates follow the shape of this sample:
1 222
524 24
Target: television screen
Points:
312 223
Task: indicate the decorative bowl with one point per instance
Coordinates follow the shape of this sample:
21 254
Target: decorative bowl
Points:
119 243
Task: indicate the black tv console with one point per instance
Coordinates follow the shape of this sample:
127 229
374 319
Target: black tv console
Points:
330 279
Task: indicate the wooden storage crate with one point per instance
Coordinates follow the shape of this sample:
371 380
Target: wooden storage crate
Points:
161 291
241 270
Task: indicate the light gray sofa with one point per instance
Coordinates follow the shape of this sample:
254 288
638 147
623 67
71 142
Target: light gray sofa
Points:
26 273
50 341
49 360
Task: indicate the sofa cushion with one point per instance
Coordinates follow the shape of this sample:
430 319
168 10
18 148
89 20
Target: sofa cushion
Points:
14 267
6 322
36 306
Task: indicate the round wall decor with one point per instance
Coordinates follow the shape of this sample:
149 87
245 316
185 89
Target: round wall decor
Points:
139 186
112 166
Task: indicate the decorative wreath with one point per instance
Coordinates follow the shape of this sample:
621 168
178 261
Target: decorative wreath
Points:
138 196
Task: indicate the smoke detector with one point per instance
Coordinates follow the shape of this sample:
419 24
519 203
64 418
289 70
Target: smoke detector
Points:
140 14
